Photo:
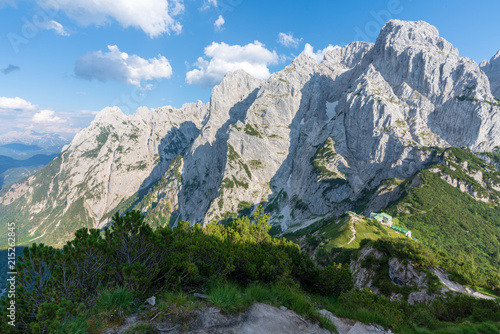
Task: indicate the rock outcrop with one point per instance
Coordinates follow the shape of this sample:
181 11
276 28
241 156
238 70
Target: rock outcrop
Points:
402 273
363 276
258 319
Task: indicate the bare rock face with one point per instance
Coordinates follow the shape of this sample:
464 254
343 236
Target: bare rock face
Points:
307 142
404 273
363 277
348 326
492 70
259 319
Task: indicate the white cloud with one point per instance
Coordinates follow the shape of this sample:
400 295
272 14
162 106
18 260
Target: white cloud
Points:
47 116
16 103
19 117
154 17
252 58
57 27
119 66
320 54
219 23
288 40
208 4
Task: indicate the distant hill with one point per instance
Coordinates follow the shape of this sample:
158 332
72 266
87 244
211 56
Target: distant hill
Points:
12 170
21 147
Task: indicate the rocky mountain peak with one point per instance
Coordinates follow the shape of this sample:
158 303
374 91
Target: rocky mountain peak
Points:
492 69
496 56
493 60
235 86
303 63
142 113
109 115
400 35
349 55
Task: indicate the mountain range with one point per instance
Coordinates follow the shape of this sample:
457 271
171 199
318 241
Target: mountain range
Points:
32 138
310 142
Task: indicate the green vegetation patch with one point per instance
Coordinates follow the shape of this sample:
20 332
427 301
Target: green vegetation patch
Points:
245 208
275 203
451 314
250 130
325 154
234 158
257 164
467 98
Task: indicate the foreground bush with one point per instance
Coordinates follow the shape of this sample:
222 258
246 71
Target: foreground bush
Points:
129 260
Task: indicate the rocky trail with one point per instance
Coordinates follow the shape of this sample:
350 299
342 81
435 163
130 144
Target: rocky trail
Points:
353 230
454 286
258 319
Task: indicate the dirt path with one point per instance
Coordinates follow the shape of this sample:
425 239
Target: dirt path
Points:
353 230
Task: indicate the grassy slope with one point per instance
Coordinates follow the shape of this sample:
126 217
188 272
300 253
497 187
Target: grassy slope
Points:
446 219
325 237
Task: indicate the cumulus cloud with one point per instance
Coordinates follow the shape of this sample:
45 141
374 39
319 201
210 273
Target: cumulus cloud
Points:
47 116
252 58
154 17
320 54
11 68
119 66
15 103
288 40
20 117
57 27
219 23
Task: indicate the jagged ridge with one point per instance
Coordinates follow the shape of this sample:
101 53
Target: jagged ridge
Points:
309 141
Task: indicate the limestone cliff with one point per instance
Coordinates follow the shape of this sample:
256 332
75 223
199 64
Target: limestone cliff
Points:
309 141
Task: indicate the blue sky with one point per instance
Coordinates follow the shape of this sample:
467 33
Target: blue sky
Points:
61 61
